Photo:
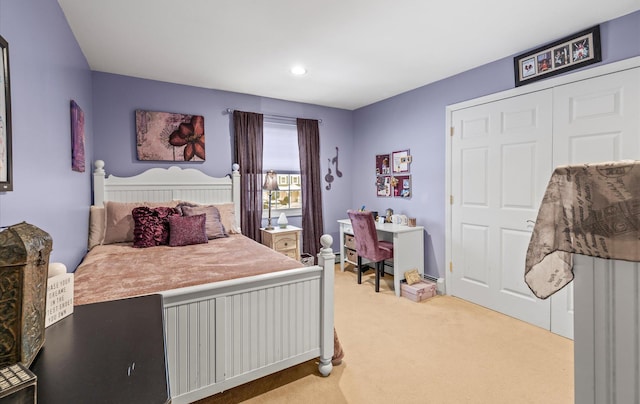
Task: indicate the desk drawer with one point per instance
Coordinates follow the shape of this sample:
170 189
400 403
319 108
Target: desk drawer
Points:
349 241
352 256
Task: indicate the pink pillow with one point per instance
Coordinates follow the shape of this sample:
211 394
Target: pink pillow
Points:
118 221
96 226
187 230
226 211
214 226
228 217
151 227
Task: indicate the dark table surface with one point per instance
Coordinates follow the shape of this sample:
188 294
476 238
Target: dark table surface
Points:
110 352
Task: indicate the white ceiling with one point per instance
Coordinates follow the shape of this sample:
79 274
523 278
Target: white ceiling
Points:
356 52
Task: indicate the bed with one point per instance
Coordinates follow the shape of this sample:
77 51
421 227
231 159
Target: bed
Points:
268 314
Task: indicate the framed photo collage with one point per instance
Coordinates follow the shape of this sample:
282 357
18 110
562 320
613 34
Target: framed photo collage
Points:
392 174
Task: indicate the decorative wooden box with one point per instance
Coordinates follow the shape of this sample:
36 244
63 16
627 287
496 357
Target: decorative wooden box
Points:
419 291
24 261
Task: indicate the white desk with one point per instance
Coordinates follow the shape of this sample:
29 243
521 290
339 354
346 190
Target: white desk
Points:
408 247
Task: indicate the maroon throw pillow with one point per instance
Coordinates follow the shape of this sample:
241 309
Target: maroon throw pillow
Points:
151 227
187 230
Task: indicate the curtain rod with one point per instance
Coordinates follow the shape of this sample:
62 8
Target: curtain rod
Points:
230 111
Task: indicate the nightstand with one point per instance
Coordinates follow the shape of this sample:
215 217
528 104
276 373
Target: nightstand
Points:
286 241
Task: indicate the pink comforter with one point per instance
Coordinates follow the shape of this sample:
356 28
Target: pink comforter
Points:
116 271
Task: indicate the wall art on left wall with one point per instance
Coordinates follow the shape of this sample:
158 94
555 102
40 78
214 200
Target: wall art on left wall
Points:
166 136
6 166
77 138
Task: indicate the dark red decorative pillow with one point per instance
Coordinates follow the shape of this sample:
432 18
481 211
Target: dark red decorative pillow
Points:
186 230
151 226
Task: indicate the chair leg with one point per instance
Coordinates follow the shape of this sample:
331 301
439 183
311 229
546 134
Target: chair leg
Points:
378 266
382 269
359 269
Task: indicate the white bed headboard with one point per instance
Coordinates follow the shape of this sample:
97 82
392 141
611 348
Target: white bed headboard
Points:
167 184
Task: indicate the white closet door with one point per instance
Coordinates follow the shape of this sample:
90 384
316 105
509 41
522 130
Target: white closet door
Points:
594 120
501 162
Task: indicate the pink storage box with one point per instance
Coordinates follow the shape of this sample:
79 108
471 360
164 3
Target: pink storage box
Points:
418 291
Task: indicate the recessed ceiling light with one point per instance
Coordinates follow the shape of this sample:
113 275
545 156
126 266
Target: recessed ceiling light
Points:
298 70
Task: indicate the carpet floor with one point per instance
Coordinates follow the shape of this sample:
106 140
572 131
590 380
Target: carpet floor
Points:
442 350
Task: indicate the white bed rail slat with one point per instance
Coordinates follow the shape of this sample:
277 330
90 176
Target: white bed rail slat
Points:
201 373
202 195
607 331
139 195
158 195
326 260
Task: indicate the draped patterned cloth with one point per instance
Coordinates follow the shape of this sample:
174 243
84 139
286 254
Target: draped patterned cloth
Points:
589 209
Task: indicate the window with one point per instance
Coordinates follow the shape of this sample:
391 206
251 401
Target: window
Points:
280 154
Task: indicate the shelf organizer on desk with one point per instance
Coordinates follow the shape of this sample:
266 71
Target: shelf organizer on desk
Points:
408 247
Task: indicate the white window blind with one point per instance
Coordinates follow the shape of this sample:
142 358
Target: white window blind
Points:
280 148
280 154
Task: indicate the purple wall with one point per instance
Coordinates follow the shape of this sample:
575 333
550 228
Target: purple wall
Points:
115 98
416 120
47 70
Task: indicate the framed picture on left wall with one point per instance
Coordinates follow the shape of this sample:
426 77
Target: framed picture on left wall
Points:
77 138
6 166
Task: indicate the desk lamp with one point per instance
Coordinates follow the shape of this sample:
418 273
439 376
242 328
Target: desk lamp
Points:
270 184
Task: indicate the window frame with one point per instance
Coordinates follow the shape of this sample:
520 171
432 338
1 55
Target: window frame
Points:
275 124
276 210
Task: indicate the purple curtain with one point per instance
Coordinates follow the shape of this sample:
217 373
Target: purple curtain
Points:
309 150
248 153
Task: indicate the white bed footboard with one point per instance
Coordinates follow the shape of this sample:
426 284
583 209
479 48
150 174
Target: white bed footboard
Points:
224 334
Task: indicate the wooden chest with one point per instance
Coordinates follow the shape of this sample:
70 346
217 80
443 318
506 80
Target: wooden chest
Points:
24 262
418 291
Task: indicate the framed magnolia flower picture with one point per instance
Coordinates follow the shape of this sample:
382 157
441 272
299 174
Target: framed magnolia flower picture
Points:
166 136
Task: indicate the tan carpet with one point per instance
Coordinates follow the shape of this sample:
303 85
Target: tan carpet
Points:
443 350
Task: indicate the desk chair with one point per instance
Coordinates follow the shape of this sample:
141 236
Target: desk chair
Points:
367 244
